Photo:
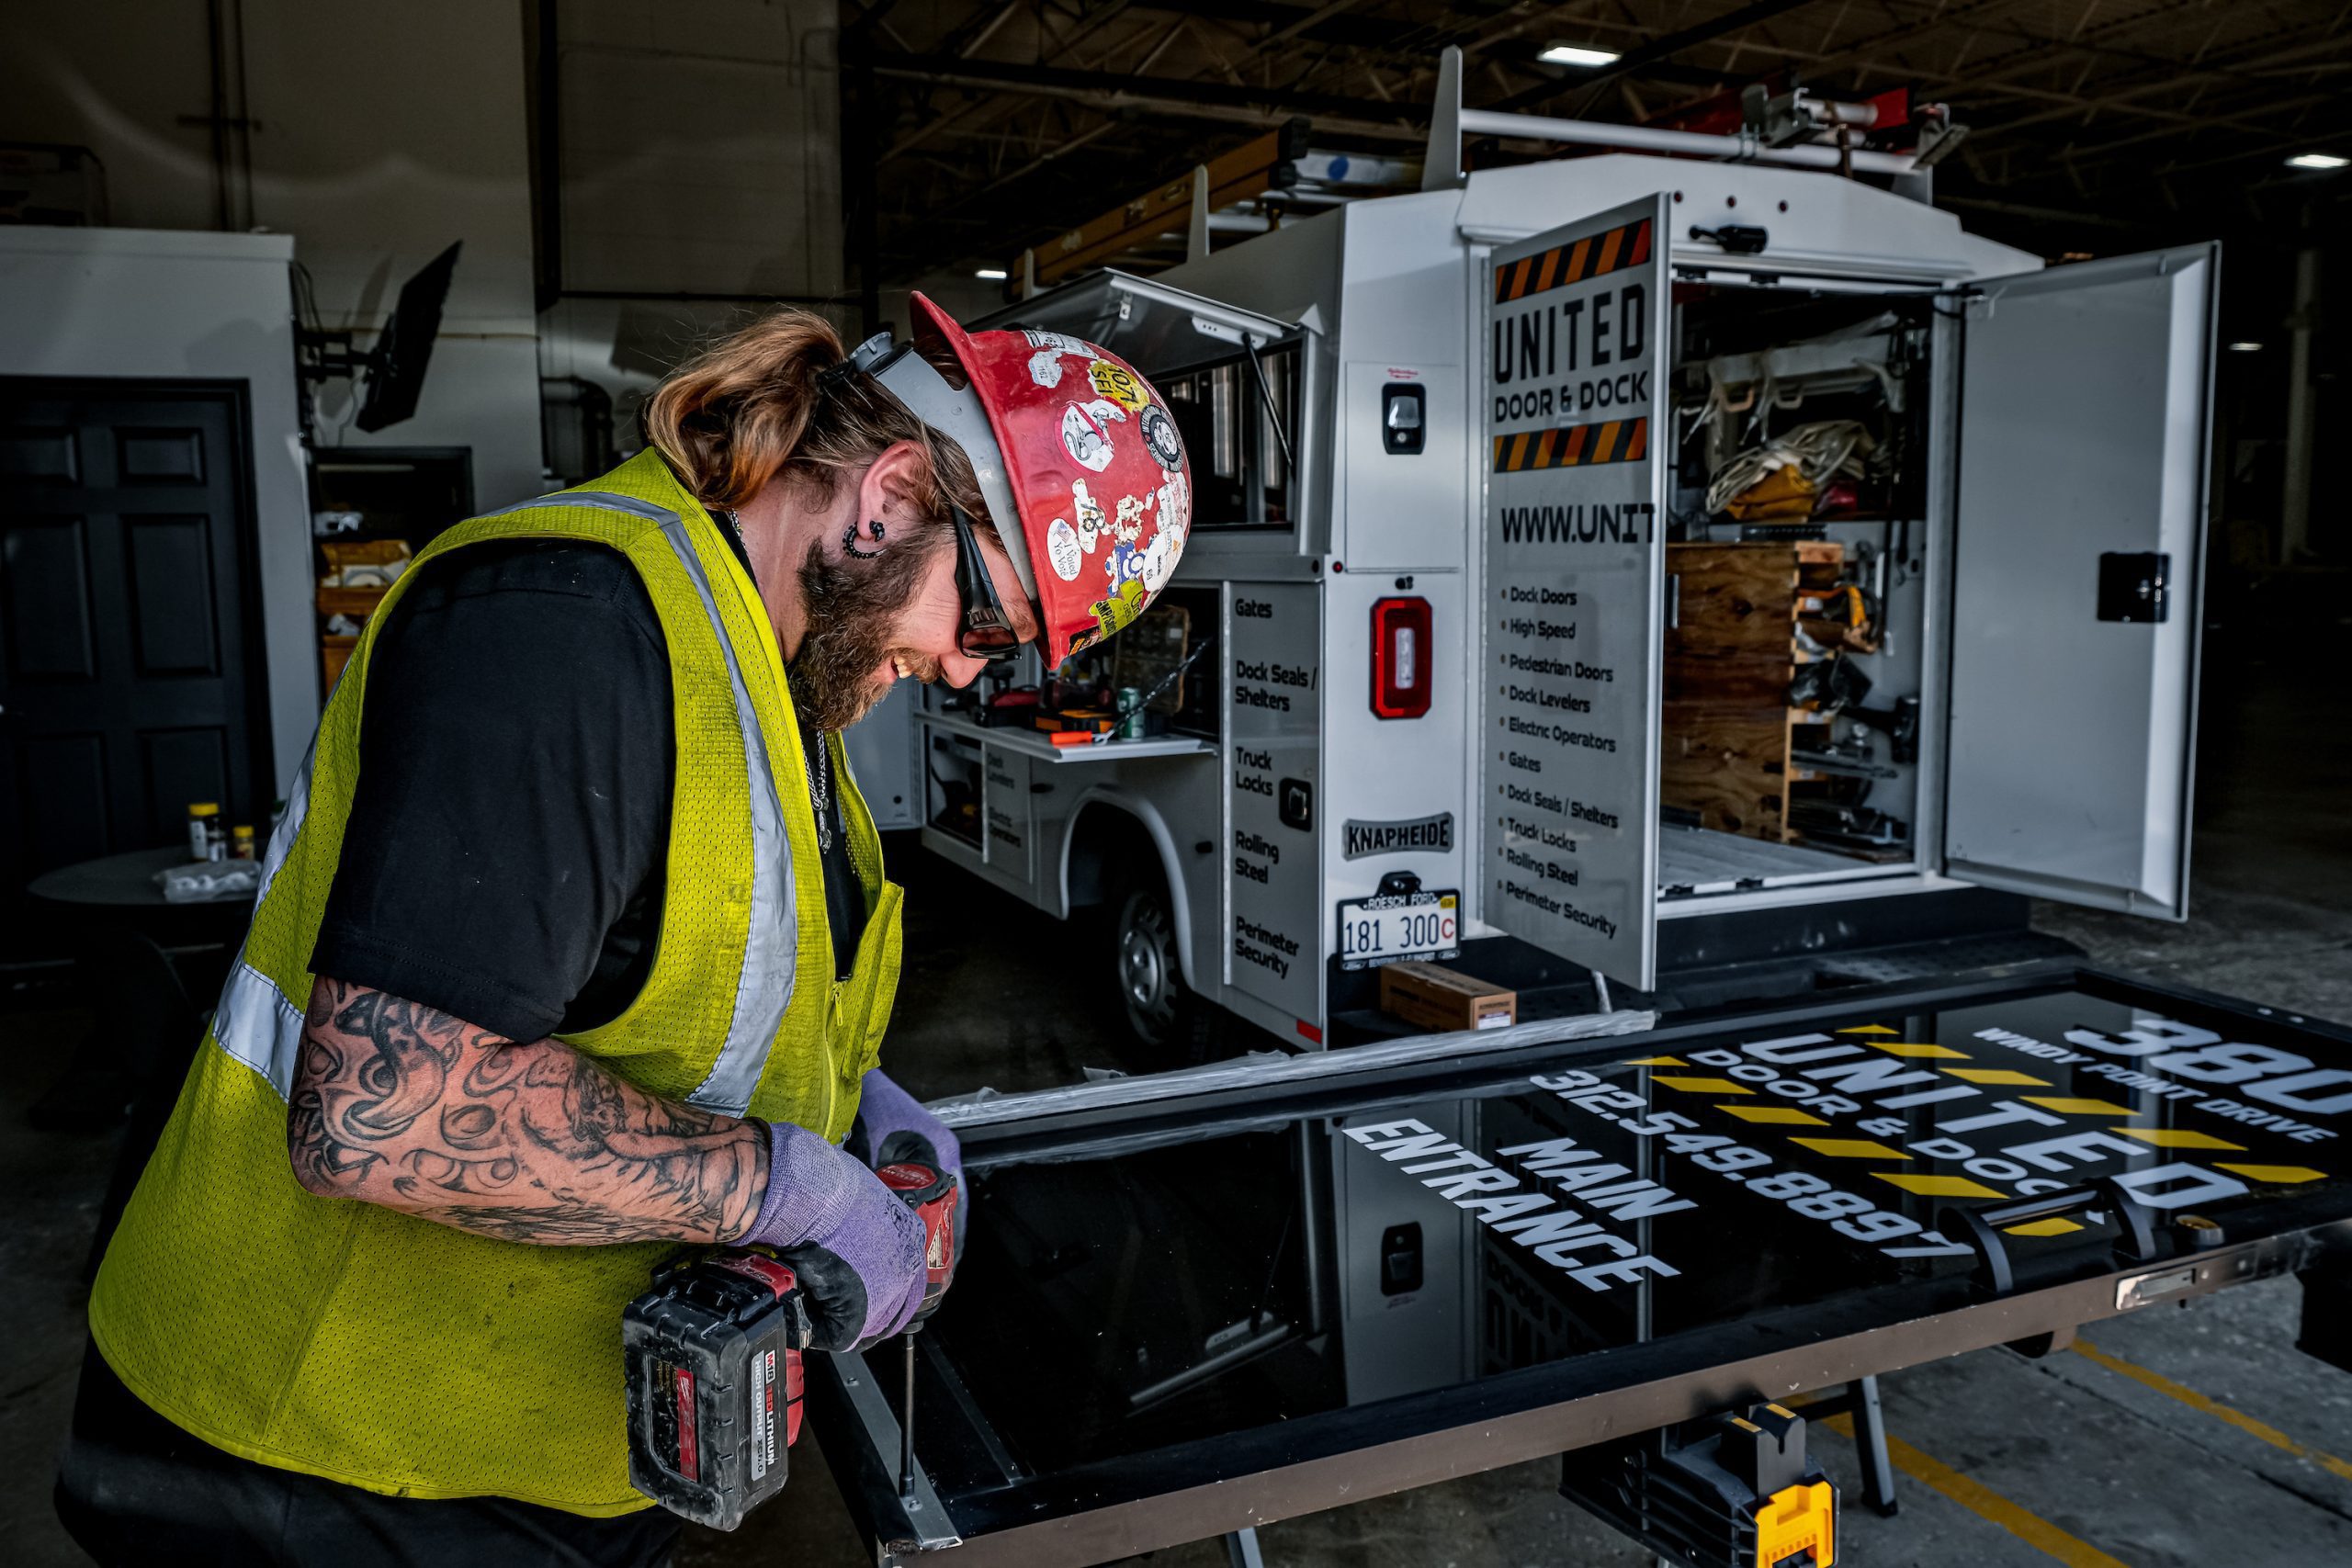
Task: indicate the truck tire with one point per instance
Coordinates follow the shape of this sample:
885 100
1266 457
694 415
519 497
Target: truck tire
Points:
1160 1010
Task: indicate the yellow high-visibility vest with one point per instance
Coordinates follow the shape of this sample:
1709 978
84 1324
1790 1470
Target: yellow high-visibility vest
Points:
373 1348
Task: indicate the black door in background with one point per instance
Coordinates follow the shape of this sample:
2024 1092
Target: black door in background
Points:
130 666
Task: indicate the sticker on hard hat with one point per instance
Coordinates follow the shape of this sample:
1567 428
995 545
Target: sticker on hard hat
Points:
1086 438
1061 544
1091 519
1176 505
1045 365
1126 534
1110 613
1119 384
1159 437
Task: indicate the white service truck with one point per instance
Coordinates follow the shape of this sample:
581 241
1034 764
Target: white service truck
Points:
1451 456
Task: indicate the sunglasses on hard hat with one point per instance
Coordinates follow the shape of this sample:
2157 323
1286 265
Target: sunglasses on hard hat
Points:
986 631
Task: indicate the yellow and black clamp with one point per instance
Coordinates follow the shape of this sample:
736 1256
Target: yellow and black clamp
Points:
1732 1490
1797 1507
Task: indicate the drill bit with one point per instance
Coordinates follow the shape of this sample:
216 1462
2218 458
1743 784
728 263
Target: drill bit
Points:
907 1428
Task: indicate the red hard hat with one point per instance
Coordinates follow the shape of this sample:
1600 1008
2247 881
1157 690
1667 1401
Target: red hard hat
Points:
1078 457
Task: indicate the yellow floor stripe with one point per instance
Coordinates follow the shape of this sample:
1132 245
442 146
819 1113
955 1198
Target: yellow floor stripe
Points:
1658 1062
1867 1028
2213 1407
1784 1115
1849 1148
1986 1504
1928 1186
1700 1085
1997 1076
2274 1175
1916 1051
2179 1139
2070 1107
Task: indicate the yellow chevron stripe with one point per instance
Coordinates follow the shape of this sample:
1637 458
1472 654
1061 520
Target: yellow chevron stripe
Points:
1779 1115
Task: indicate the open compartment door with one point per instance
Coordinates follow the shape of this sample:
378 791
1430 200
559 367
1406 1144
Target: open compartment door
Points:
2080 542
1572 574
1156 327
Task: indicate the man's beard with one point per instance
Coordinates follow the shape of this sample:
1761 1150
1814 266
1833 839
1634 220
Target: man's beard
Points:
853 623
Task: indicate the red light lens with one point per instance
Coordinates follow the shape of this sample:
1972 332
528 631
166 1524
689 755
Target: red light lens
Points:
1402 676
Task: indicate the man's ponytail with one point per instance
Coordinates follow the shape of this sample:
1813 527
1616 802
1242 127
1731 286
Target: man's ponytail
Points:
750 410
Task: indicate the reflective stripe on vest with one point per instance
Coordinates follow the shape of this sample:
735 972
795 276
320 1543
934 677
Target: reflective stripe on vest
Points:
262 1027
256 1022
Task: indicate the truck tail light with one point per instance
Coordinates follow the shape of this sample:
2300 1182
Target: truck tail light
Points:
1401 678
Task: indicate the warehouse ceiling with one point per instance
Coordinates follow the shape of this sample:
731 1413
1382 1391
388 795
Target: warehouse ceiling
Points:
997 125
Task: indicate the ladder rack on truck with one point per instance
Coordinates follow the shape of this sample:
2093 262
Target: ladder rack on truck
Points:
1198 1303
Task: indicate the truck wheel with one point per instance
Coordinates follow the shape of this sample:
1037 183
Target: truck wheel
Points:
1161 1010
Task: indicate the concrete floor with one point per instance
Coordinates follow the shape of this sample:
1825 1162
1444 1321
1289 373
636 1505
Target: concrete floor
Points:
2172 1439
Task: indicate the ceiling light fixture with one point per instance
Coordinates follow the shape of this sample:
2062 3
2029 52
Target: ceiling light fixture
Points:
2245 347
1578 54
990 275
2317 161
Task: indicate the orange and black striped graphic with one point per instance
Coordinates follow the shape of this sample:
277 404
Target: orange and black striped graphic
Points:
1628 244
1578 445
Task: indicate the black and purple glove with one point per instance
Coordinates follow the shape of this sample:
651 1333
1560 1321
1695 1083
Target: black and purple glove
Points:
892 1126
856 1247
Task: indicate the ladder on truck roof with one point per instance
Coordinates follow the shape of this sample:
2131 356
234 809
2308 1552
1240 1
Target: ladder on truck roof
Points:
1795 129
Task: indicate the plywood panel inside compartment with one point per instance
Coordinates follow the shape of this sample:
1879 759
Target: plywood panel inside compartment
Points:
1730 653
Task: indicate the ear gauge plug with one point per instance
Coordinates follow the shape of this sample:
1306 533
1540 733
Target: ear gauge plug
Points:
849 540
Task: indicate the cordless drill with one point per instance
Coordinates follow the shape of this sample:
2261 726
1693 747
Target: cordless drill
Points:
712 1356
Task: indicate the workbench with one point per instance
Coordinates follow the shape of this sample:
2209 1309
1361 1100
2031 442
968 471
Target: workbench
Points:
1196 1303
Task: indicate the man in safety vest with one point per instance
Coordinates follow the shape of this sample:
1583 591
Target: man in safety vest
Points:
575 946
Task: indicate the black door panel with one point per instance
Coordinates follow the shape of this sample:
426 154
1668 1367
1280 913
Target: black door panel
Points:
131 680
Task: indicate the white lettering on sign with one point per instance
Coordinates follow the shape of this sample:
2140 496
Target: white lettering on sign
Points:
1558 1236
2181 1060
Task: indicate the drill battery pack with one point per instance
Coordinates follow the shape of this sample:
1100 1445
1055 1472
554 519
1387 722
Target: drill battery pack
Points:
712 1354
1730 1491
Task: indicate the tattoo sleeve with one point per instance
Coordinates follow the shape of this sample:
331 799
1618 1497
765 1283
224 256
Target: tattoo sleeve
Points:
399 1105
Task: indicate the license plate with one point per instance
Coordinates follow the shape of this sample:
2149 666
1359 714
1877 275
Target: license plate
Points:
1373 931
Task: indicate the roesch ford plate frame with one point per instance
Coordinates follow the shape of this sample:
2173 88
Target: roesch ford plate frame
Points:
1182 1316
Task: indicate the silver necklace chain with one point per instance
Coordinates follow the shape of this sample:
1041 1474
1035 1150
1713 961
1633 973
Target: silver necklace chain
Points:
821 783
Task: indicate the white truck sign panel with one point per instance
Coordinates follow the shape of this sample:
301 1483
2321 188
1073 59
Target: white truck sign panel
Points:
1576 351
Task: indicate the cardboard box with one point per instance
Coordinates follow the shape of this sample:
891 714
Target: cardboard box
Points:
1440 1001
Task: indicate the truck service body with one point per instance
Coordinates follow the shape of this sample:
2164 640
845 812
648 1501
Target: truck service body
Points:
1474 387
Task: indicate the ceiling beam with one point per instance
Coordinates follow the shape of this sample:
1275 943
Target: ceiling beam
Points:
1643 57
1140 92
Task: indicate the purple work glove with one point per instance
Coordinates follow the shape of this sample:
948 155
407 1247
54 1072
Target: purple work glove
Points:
892 1125
856 1247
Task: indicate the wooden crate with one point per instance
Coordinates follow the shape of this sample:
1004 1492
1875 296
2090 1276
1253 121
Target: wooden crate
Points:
1730 655
334 652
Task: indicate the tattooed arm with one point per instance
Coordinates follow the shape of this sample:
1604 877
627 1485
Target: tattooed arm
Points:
399 1105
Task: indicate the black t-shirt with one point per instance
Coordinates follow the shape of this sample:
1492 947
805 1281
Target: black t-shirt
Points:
508 838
